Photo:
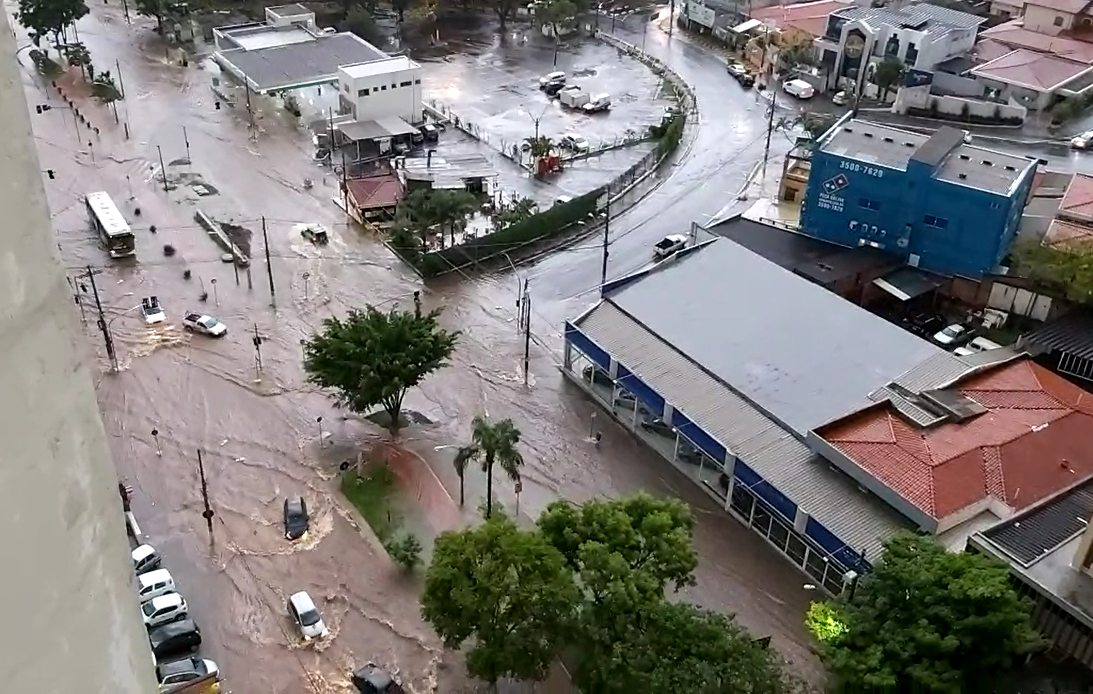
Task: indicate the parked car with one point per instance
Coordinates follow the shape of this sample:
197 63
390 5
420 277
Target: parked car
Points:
430 132
977 345
575 142
553 88
145 559
296 518
747 80
597 376
737 70
951 335
558 76
174 638
374 680
303 611
154 583
573 98
151 310
172 675
1083 141
206 325
598 104
840 98
563 199
669 245
169 607
799 89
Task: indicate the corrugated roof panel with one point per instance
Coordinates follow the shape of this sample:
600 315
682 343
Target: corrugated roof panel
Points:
1072 334
1032 535
860 520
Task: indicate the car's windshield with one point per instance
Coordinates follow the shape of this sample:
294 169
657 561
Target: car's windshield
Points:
209 322
952 331
310 618
148 608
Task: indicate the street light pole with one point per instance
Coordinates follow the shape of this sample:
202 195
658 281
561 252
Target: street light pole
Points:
208 513
319 421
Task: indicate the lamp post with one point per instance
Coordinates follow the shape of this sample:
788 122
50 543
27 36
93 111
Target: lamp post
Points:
216 297
155 437
319 421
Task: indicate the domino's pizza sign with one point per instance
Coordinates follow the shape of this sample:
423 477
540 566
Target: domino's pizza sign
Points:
831 196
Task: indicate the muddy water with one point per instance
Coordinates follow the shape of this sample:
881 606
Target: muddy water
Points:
258 429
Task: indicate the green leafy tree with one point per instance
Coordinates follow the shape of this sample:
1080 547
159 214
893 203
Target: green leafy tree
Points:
506 590
358 20
676 647
404 550
540 146
49 17
889 74
928 620
152 8
557 15
1063 269
491 443
797 50
515 212
372 358
504 9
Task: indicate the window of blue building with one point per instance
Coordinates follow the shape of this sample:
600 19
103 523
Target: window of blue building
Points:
936 222
867 204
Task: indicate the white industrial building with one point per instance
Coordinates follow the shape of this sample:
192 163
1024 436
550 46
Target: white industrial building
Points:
67 577
381 89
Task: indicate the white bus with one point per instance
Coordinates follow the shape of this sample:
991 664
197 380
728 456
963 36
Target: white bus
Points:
110 225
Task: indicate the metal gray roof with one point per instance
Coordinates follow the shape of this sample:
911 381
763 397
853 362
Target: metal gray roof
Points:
934 150
984 169
1071 334
857 518
296 64
875 144
801 354
1031 535
923 16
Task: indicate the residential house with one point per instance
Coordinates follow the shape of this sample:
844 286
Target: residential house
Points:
919 35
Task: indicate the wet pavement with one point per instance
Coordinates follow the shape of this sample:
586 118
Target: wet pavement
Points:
260 438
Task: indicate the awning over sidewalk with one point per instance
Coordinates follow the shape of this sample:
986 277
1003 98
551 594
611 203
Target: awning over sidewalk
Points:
747 26
363 130
906 283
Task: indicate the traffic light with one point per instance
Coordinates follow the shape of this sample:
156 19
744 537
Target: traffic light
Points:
51 174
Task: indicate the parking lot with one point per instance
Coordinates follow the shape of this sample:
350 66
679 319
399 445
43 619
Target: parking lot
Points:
497 88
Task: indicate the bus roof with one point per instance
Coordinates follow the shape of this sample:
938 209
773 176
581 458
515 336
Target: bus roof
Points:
103 207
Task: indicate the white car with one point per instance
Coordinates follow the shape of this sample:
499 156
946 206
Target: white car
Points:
1083 141
574 142
154 583
306 616
736 70
206 325
799 89
979 344
169 607
950 334
151 310
669 245
840 98
552 77
145 559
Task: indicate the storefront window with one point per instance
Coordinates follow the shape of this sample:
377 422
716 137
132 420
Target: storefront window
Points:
834 580
742 501
761 521
795 548
779 534
815 566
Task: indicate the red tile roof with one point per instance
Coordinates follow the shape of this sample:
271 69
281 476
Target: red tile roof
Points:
810 17
1065 236
375 191
1015 35
1078 200
1035 439
1037 71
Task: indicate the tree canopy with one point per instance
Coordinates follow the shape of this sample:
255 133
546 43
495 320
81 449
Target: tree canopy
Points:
1066 269
927 620
372 357
505 588
491 443
45 17
888 74
593 577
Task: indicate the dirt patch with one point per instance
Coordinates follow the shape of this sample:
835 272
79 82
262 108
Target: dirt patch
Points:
240 236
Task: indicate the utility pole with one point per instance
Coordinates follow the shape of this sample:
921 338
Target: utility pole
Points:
103 326
162 168
671 18
269 265
208 513
345 184
250 111
257 340
186 139
125 8
606 236
117 64
527 331
76 296
770 129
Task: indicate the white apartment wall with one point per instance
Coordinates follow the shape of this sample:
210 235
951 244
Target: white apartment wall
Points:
67 577
1006 8
392 94
1044 20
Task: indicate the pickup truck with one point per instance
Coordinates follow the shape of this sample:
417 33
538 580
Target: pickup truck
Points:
598 103
206 325
573 98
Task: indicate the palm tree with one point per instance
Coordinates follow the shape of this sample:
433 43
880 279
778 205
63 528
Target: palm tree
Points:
490 443
539 147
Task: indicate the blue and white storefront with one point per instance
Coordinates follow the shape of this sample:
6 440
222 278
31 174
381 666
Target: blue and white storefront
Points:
760 471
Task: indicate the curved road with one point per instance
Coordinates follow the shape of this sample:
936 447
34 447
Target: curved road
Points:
261 438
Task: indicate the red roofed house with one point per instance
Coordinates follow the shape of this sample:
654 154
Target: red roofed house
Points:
373 198
1072 227
958 459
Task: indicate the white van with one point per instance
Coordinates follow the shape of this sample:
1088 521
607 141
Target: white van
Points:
155 583
979 344
799 89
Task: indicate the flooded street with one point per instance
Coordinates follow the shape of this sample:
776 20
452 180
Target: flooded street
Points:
259 430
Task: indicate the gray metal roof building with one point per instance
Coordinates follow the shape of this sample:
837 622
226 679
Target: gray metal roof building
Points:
757 357
297 63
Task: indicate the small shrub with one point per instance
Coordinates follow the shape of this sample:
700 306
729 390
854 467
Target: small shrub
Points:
404 551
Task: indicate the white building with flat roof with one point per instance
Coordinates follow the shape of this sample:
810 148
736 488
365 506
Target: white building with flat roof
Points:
69 600
381 89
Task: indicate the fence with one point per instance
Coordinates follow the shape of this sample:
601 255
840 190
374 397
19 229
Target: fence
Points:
683 91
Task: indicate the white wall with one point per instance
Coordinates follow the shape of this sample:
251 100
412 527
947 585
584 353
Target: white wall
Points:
390 94
73 620
921 98
1044 20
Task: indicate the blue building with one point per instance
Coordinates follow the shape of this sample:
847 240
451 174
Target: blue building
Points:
934 201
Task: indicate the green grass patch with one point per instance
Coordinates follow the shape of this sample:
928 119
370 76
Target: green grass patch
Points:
371 494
